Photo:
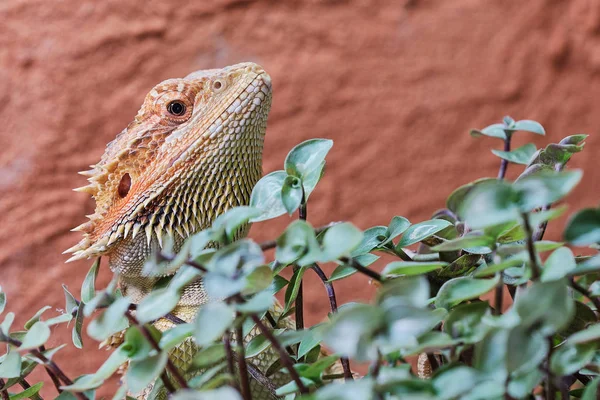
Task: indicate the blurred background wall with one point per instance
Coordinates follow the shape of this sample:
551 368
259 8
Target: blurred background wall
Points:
396 84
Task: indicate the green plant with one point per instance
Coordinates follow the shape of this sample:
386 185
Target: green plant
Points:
489 238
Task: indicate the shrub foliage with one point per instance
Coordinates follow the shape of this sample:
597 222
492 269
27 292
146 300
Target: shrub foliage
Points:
538 334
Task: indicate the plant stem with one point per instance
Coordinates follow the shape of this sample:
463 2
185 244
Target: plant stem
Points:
499 297
51 374
369 272
586 293
259 377
299 303
52 366
504 163
550 391
283 355
230 356
242 367
333 304
170 366
535 268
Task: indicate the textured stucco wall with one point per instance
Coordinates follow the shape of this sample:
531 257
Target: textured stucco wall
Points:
397 84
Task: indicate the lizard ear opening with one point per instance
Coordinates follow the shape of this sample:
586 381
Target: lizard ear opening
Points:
124 185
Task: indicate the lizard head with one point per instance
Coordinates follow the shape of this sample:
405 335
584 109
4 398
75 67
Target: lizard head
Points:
193 150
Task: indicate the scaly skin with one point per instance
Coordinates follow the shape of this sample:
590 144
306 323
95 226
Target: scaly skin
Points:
193 151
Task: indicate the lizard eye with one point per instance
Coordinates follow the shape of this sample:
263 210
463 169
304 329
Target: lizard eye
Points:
218 85
176 108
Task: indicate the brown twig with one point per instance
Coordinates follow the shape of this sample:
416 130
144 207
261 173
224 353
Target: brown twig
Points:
241 361
535 268
259 377
283 355
51 374
230 355
369 272
170 366
504 163
299 303
333 304
52 366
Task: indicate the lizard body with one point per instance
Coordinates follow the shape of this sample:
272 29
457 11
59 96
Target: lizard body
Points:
193 151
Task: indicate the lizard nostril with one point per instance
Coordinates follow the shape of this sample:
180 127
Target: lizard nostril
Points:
124 185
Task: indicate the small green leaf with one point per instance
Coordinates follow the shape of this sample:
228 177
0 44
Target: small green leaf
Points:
210 355
529 126
258 279
141 373
545 305
341 272
211 322
111 321
591 390
88 288
175 335
584 227
259 303
451 382
156 304
545 187
470 240
76 332
266 196
490 203
457 197
70 301
532 349
291 293
352 329
311 339
558 264
589 335
402 268
491 269
397 226
222 393
465 322
36 336
372 238
306 161
570 358
6 324
10 367
233 219
291 193
339 241
494 130
460 289
36 317
363 389
298 244
421 231
522 155
29 393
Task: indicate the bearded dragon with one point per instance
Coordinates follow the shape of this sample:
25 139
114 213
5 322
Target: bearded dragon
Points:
193 151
